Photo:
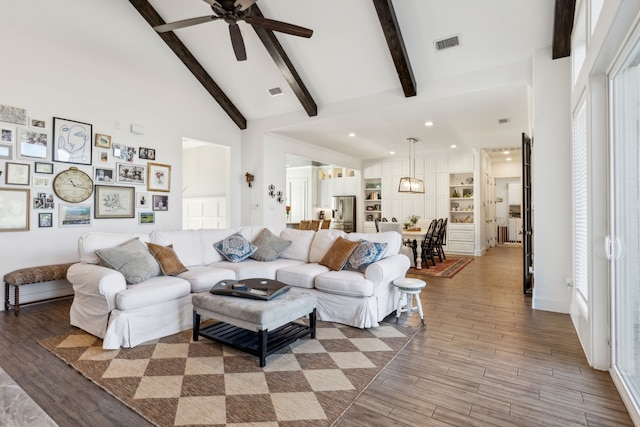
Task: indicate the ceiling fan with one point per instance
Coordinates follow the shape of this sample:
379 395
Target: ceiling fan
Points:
232 11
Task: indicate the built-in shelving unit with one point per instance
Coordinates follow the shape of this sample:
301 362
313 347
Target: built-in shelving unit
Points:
372 199
461 201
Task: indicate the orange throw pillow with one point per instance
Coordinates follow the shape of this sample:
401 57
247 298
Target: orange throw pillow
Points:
337 256
169 262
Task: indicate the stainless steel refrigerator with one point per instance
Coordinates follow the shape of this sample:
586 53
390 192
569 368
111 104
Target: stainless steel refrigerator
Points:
344 213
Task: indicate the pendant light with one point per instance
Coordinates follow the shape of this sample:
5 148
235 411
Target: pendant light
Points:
410 184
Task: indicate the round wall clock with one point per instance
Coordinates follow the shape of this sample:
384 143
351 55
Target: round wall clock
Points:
73 185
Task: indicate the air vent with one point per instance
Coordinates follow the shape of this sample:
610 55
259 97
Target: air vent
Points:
503 121
275 91
447 43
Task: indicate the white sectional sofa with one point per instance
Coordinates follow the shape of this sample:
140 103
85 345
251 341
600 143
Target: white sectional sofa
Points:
126 315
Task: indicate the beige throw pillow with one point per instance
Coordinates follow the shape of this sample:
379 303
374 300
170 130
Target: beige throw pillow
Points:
338 254
169 262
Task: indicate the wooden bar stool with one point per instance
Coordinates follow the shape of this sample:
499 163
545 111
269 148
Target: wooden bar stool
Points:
410 288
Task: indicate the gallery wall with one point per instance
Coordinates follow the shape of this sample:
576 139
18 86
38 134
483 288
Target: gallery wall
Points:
48 74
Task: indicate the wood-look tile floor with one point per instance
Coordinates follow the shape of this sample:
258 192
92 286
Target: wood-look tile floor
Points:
487 358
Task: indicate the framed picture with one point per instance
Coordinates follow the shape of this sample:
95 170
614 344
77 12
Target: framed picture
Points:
41 181
71 141
17 173
14 209
32 145
147 153
103 141
147 218
160 203
43 201
104 156
158 177
45 219
75 215
103 175
142 200
37 123
13 115
114 202
43 168
6 151
128 173
123 152
7 133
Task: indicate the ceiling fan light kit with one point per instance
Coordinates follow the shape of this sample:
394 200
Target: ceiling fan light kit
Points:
232 11
410 184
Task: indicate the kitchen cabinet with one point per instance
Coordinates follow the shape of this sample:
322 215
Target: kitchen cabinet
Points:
514 193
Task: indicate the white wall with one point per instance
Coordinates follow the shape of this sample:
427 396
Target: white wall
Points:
79 78
551 181
208 171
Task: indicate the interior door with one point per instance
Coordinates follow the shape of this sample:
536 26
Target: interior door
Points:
297 197
527 225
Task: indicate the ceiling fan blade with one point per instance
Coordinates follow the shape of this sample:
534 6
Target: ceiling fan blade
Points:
244 4
210 2
237 42
281 27
185 23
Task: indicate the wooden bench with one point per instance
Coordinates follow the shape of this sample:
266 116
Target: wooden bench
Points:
30 275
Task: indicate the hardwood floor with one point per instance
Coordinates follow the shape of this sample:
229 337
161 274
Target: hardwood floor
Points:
485 358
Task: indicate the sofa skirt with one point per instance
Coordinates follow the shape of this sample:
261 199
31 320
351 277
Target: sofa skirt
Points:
129 328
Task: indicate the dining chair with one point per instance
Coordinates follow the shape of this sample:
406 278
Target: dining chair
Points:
384 219
314 224
304 224
442 238
428 244
377 223
393 219
325 224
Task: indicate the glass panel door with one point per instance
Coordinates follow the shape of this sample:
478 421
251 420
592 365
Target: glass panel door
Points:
625 245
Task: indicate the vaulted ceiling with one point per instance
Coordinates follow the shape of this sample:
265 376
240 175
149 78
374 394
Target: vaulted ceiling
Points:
371 68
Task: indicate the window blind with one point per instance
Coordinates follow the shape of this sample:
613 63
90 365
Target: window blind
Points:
580 202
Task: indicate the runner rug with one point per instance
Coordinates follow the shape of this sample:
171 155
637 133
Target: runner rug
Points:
177 381
447 268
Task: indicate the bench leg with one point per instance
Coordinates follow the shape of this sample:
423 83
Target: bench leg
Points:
16 306
196 325
312 323
262 347
6 296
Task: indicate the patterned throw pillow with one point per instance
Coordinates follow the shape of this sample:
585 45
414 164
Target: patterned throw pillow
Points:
366 253
235 248
338 254
269 246
132 259
169 262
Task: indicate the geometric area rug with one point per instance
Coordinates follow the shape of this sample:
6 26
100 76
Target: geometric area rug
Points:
175 381
447 268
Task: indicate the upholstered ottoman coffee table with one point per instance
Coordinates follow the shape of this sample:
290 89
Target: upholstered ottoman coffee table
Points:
257 327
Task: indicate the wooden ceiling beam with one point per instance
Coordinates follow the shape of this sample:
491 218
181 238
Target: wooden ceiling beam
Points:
562 28
391 30
285 65
153 18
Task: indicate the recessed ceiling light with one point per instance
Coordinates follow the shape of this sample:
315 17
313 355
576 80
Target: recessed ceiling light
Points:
508 159
453 145
352 134
392 152
505 152
428 123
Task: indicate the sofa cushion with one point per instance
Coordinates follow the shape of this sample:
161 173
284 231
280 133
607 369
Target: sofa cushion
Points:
366 253
251 269
203 278
169 262
88 243
339 253
235 248
350 283
300 243
132 259
391 238
186 244
302 276
269 246
152 291
322 241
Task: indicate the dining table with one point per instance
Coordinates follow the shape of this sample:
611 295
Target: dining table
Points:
415 237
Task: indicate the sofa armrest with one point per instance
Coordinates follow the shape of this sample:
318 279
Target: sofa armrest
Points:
95 281
387 269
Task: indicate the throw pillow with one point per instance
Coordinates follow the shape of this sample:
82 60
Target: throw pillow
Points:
169 262
132 259
235 248
269 246
338 254
366 253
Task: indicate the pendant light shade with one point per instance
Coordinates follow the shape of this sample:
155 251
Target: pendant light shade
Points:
410 184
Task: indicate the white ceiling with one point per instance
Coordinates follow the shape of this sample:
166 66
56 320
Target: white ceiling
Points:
348 70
